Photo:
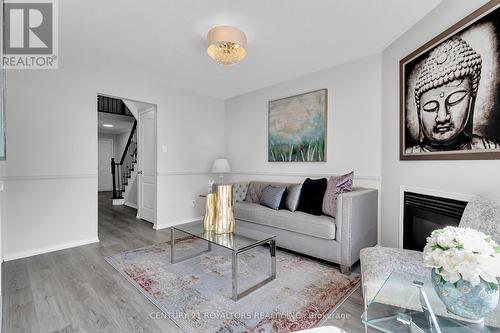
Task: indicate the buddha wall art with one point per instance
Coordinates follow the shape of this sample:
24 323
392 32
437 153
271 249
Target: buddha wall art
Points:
449 92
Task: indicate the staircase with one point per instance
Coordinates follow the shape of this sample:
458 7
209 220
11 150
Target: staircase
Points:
125 172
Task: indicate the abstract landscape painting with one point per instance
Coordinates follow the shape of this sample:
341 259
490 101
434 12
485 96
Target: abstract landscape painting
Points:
297 128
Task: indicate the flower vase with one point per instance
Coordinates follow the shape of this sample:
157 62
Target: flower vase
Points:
465 300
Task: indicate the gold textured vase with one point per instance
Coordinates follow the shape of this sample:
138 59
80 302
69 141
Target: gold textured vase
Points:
224 222
210 212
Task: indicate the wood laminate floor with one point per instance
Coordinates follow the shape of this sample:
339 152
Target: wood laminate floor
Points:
75 290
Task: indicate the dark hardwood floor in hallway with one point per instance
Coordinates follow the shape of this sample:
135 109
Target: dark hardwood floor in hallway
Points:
76 290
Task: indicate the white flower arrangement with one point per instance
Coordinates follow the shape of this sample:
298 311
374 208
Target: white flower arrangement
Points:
463 253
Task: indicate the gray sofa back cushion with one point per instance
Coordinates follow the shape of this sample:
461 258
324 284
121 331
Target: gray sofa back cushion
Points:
255 189
239 191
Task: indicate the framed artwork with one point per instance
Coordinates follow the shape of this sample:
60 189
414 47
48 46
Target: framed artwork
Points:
450 92
297 128
3 149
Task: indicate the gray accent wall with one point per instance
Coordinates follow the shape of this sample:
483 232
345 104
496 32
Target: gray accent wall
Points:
460 177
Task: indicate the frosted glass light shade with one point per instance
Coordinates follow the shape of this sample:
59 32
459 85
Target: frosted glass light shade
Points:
226 45
221 165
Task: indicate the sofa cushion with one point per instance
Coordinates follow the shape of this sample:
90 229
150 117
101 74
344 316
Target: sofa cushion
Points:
311 196
271 196
293 197
336 185
300 222
239 191
255 190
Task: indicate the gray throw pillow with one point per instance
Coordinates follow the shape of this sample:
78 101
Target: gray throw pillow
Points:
271 196
336 185
292 200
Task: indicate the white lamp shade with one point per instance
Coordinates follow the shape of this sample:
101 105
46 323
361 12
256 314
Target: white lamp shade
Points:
221 165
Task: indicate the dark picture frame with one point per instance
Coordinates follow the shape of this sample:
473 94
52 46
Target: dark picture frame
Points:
303 136
418 139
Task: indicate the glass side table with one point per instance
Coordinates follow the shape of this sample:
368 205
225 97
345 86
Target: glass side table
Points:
408 303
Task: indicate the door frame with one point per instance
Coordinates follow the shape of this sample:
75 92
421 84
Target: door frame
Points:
154 109
112 155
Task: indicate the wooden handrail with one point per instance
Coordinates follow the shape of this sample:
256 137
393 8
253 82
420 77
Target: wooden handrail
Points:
128 142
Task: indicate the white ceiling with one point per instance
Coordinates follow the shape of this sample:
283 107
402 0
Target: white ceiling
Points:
286 38
121 124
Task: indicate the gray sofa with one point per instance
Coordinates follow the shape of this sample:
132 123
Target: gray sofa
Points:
336 240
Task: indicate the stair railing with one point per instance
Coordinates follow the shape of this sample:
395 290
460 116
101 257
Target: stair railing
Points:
122 171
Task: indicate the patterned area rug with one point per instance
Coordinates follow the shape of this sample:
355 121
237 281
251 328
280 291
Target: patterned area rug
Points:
196 293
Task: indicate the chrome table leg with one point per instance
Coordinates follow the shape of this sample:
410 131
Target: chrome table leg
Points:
235 275
172 245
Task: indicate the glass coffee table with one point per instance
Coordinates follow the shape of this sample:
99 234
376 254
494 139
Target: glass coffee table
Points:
408 303
239 241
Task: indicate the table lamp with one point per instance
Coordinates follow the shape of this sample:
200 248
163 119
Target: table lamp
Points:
221 166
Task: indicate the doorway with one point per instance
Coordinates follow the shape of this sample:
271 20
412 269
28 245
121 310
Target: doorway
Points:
127 133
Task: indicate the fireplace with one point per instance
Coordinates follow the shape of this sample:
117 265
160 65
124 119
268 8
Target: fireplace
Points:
426 213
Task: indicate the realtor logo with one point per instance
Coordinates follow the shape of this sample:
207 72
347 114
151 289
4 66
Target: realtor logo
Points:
30 34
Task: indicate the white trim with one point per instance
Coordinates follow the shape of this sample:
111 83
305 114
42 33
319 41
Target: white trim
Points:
49 177
129 204
192 219
154 110
302 174
267 173
118 202
46 249
181 173
421 190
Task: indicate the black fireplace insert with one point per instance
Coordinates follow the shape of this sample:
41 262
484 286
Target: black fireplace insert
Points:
424 214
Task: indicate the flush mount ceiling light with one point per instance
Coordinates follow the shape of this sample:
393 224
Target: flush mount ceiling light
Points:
107 125
226 45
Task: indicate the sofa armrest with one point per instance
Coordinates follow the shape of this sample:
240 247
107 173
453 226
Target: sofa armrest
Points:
357 215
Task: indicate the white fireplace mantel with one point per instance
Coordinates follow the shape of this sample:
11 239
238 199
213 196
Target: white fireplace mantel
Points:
426 191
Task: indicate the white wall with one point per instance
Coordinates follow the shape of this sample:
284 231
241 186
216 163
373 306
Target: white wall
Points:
353 137
463 177
354 129
51 171
121 144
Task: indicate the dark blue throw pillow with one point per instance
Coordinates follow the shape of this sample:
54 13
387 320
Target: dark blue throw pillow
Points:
311 196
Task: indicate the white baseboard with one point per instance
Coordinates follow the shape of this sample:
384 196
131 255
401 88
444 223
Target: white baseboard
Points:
47 249
129 204
118 202
163 226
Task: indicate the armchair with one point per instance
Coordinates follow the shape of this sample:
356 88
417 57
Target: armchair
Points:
378 262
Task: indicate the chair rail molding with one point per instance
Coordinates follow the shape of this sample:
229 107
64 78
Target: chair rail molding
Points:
427 191
302 174
49 176
182 173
